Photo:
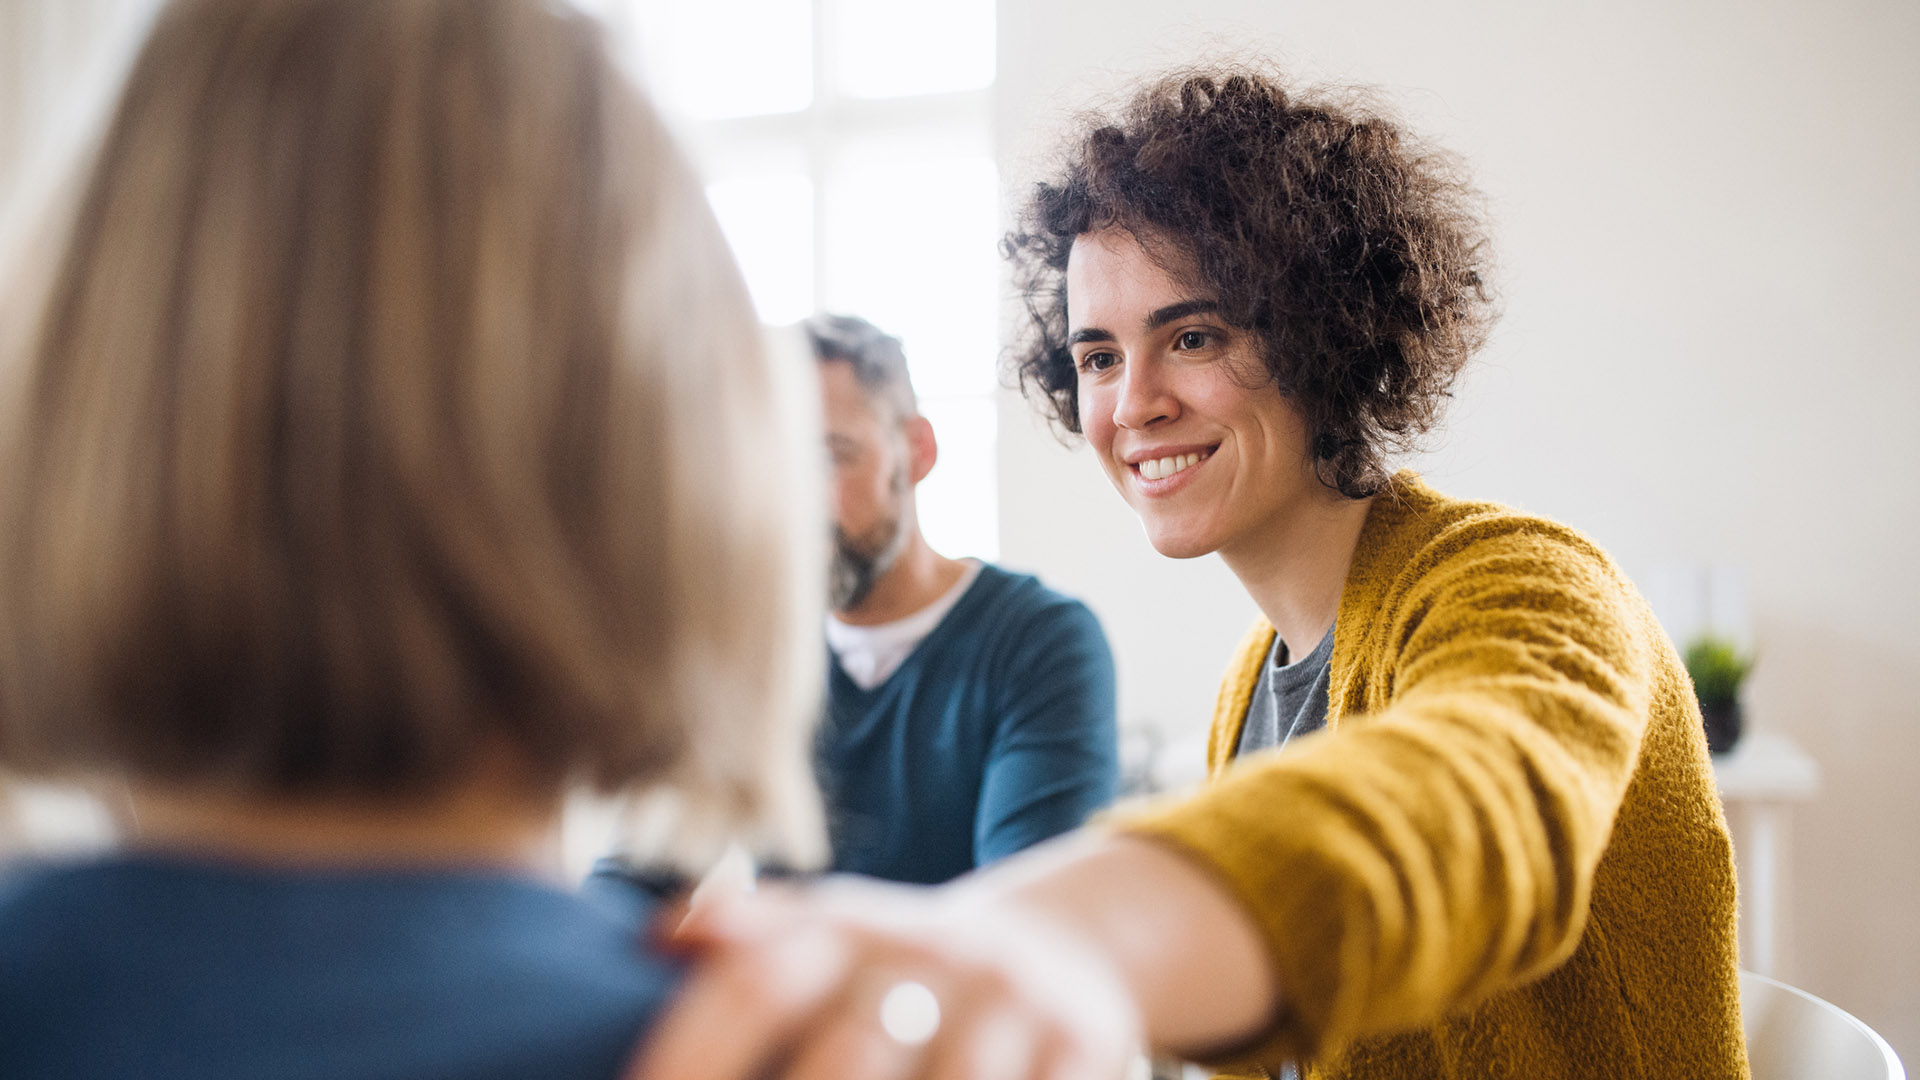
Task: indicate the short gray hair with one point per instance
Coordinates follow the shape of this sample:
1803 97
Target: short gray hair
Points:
878 362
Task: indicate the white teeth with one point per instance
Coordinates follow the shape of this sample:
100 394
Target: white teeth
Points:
1161 468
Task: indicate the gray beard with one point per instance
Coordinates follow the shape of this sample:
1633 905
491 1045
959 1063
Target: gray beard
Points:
859 562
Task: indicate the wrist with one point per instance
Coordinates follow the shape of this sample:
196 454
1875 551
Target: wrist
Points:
1179 944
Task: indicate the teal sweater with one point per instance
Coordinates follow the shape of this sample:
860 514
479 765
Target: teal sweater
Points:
995 734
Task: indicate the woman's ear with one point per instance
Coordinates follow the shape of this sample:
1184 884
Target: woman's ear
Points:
922 448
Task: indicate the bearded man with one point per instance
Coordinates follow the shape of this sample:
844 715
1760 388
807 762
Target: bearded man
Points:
970 710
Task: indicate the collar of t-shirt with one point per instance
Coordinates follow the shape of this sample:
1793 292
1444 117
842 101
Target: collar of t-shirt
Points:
1290 698
871 654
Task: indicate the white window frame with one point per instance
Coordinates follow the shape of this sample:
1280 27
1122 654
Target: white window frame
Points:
807 142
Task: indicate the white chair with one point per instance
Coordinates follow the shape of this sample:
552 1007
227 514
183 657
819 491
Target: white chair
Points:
1792 1035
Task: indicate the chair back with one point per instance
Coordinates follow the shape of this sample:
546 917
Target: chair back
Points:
1792 1035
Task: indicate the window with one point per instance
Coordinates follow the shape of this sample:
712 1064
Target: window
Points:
848 155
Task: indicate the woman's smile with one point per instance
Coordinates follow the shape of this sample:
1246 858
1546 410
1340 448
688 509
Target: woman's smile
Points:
1162 471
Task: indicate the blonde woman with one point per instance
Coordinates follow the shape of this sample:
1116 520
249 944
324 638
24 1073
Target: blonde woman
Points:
388 449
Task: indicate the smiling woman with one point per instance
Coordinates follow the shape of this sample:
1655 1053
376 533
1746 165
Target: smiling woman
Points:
1248 300
1461 820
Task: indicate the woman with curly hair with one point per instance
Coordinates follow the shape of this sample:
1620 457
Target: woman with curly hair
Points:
1462 821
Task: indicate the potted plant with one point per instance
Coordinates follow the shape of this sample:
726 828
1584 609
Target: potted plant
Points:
1718 668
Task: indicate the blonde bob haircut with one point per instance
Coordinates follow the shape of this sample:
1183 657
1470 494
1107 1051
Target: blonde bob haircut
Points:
384 392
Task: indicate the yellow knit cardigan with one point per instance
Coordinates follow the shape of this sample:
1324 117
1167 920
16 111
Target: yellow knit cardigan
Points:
1505 858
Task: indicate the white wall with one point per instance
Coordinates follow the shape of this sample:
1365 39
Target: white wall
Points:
55 58
48 49
1706 215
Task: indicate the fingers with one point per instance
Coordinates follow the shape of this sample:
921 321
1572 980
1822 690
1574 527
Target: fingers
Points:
731 876
1063 1057
742 1005
984 1041
981 1036
790 986
995 1033
850 1043
723 918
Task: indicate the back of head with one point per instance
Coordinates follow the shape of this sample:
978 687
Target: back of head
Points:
392 393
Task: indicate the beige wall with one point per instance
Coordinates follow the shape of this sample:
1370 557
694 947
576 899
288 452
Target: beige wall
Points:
1708 220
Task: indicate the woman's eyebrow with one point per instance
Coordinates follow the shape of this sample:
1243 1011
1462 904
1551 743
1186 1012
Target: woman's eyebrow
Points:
1162 316
1158 318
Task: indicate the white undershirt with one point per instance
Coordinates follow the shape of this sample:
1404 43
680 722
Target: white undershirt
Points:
871 654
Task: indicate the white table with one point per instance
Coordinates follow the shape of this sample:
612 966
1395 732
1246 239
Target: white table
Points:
1759 781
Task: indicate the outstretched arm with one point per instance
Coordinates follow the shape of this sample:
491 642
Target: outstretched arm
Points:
1055 964
1366 880
1444 848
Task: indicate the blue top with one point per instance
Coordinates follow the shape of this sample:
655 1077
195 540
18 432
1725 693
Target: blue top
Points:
996 733
157 968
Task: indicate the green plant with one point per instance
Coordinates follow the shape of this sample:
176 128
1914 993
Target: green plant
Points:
1718 668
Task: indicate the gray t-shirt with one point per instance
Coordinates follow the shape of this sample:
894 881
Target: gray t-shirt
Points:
1290 699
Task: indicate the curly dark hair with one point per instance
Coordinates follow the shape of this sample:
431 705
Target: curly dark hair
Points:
1354 254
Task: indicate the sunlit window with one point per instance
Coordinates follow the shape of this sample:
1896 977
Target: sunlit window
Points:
847 152
768 221
711 60
911 237
890 48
